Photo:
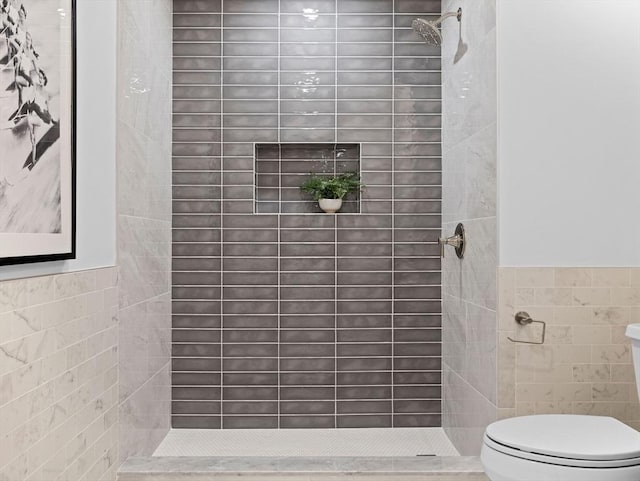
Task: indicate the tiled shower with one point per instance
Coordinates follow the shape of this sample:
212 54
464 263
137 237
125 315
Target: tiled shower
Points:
287 317
284 317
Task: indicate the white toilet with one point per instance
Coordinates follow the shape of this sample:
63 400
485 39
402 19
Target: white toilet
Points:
564 447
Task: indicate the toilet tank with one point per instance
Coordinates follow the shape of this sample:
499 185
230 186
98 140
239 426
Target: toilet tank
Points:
633 332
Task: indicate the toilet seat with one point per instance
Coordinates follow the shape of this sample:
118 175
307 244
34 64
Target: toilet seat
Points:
567 440
558 461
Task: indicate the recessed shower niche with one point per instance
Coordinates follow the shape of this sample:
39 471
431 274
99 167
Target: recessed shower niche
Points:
282 168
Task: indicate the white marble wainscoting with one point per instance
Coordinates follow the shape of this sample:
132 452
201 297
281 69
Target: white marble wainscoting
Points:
585 364
59 377
303 469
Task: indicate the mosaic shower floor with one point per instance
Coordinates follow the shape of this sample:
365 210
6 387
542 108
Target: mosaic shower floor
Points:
397 442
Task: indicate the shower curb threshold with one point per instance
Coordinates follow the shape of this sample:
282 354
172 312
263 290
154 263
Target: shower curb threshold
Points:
450 468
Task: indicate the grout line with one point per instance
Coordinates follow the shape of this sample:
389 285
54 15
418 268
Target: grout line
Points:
167 365
279 76
335 318
222 171
335 76
293 14
279 214
335 245
393 212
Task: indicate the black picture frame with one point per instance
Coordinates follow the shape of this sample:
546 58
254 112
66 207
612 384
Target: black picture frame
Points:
66 19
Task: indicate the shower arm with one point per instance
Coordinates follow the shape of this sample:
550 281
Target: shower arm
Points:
457 14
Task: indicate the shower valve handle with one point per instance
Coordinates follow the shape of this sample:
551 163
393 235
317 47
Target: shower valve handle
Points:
457 241
453 241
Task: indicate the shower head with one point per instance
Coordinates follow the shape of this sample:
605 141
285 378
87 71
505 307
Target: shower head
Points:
430 31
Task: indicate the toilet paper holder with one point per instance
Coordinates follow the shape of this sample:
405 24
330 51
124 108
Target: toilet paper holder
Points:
524 319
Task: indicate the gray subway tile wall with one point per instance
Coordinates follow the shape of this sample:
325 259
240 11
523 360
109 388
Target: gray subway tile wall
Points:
284 317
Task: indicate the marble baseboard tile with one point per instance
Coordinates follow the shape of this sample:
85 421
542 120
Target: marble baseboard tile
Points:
585 365
303 477
302 469
58 377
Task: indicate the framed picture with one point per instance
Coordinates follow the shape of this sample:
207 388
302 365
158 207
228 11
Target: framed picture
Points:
37 130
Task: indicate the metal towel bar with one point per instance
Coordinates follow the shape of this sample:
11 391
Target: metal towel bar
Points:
524 319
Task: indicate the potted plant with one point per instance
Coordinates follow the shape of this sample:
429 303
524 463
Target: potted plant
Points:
330 190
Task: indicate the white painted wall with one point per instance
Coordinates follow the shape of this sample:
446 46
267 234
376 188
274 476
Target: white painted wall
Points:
569 132
96 157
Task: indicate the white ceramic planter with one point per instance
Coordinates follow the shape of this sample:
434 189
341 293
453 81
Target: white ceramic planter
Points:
330 206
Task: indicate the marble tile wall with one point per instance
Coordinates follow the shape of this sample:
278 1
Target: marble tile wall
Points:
144 222
59 377
585 365
470 196
305 320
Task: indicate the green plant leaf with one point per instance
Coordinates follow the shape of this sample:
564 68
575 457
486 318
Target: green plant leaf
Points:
330 187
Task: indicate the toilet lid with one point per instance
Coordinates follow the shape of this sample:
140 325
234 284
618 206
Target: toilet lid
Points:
568 436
